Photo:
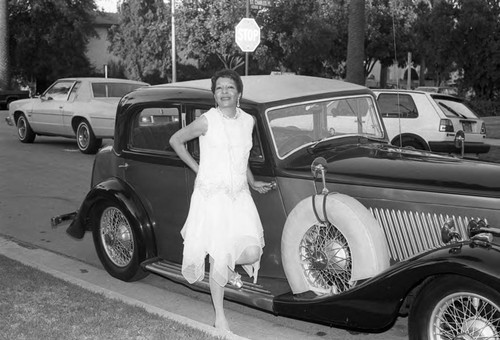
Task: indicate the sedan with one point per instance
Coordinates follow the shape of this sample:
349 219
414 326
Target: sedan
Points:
84 108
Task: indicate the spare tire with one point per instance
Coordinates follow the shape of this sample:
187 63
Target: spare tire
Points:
328 250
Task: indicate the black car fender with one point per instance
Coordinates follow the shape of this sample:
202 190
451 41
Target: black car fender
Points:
375 304
117 191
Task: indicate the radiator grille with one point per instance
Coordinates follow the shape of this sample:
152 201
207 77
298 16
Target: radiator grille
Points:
410 233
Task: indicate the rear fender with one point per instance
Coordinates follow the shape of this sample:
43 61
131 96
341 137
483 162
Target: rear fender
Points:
117 191
404 136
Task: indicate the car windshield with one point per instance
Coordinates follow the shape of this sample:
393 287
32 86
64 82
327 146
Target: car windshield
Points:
455 108
298 125
107 90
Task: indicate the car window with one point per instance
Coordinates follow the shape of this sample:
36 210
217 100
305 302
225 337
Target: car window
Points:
153 127
112 90
397 105
294 126
256 153
454 108
59 91
74 91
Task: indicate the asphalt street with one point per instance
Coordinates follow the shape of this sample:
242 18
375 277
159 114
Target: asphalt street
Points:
50 177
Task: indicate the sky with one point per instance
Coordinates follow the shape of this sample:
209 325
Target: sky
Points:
107 5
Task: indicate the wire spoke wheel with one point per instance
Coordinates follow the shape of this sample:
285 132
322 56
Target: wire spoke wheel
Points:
465 316
116 237
326 259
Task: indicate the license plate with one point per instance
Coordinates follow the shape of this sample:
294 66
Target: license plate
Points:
467 126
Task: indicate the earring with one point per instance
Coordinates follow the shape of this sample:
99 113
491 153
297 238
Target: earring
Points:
238 102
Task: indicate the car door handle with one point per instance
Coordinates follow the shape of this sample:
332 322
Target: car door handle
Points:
273 185
123 166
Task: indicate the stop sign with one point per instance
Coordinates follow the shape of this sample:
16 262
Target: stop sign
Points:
247 34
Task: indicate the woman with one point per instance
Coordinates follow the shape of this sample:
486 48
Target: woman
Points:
223 222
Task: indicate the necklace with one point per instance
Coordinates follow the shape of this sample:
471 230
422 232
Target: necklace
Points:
228 117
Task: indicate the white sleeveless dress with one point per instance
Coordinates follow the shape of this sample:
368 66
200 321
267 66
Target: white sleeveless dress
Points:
223 220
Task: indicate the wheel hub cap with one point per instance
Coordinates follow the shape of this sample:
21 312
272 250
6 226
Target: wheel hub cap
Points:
326 259
477 329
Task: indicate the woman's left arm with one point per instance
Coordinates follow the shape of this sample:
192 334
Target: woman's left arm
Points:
259 186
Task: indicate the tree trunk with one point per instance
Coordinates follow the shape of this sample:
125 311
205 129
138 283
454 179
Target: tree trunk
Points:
356 42
4 47
383 77
421 80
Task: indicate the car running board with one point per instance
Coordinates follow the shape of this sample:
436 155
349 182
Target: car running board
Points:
250 293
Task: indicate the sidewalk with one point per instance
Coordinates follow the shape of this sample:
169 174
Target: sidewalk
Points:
193 313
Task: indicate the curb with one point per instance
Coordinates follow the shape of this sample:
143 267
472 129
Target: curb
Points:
38 258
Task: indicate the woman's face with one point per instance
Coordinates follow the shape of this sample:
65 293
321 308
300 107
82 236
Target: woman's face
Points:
226 93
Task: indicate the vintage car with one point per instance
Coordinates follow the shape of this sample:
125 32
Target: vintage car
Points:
84 108
358 232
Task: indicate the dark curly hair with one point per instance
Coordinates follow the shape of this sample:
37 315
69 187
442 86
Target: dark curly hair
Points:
231 74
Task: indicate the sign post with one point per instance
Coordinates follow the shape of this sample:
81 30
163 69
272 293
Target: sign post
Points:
247 37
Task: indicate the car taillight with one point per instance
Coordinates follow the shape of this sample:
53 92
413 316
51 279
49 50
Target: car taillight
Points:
483 128
445 125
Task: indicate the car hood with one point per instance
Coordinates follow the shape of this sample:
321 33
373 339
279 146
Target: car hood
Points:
22 103
386 166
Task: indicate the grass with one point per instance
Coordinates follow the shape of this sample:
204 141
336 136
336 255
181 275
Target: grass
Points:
36 305
492 131
492 126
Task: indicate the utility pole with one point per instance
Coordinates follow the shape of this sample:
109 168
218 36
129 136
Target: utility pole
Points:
246 53
174 67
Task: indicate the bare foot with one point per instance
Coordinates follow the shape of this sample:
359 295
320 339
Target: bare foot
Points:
222 325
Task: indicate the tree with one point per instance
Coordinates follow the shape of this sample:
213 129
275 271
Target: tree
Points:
4 47
422 29
312 43
388 34
48 38
142 39
477 34
206 33
438 44
355 44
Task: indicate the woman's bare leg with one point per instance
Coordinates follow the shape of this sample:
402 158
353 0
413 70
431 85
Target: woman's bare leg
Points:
217 293
250 255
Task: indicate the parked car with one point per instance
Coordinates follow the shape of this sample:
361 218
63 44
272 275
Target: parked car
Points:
8 96
84 108
431 121
358 232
